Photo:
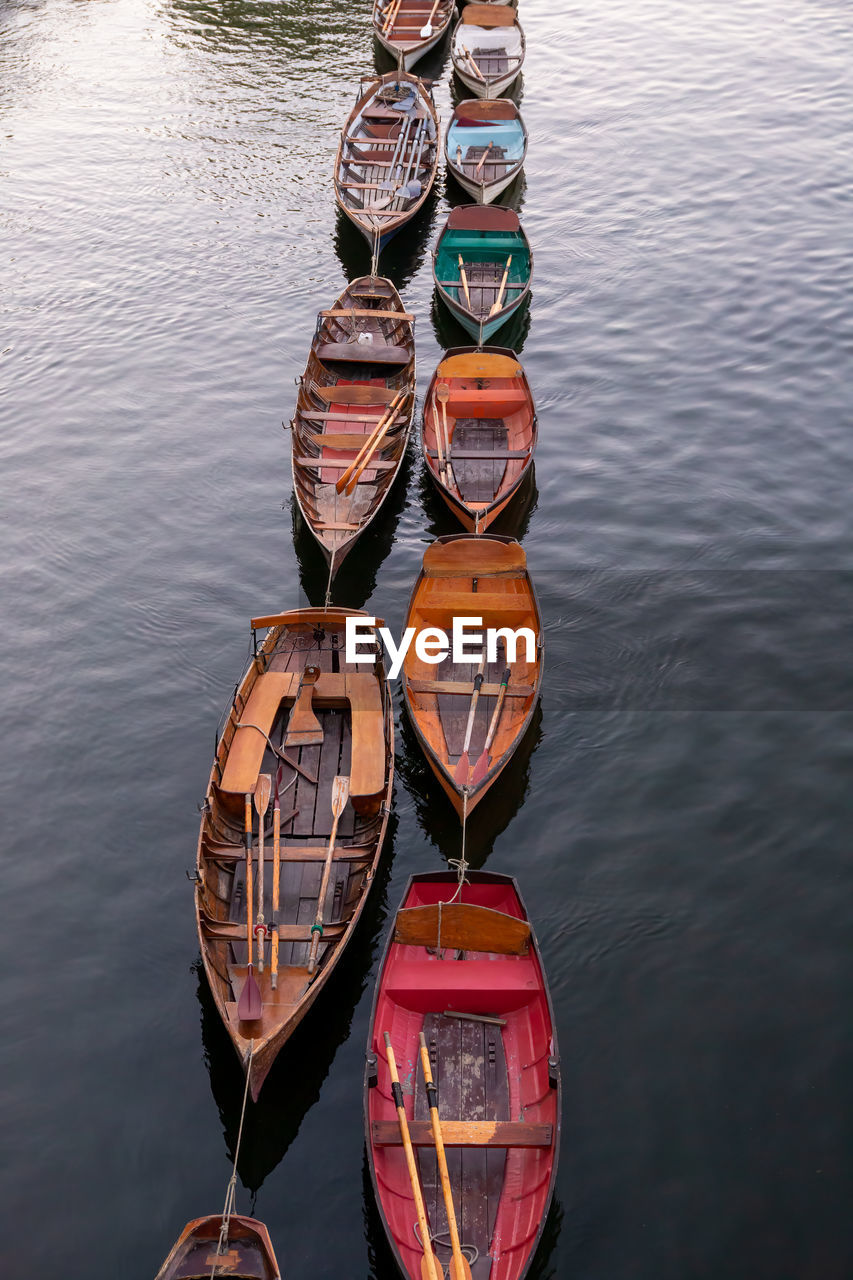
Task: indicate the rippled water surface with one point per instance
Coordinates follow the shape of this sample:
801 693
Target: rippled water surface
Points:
680 815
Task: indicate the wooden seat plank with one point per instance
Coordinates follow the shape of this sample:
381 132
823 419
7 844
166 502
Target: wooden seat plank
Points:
464 926
363 353
249 743
463 688
354 393
368 311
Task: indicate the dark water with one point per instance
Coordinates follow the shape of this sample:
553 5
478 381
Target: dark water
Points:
680 814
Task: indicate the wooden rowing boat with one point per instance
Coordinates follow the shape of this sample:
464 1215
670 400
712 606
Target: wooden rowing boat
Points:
473 577
398 26
387 156
361 367
487 49
486 430
485 146
247 1252
489 245
299 686
469 976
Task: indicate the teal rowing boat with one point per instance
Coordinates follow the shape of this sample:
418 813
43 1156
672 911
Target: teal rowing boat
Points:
482 267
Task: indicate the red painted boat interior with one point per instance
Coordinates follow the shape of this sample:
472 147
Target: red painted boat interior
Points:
489 1073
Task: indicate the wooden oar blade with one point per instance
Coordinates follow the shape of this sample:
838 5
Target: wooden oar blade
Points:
303 727
481 768
340 794
428 1261
263 787
460 1268
249 1006
460 773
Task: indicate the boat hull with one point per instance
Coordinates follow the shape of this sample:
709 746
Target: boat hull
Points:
490 88
483 193
248 1250
483 1014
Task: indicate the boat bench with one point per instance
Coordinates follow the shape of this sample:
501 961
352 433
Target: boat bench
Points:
494 608
463 399
500 986
464 688
363 352
360 689
465 1133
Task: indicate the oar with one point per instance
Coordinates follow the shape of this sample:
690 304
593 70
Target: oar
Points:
473 64
391 16
481 768
441 468
426 29
496 306
276 872
482 160
365 462
442 393
460 776
262 799
340 795
249 1006
430 1267
464 281
460 1268
341 483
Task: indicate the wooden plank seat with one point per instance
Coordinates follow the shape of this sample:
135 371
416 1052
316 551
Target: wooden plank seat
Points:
485 454
291 853
464 926
510 398
457 284
466 1133
354 393
324 464
463 688
346 419
342 440
363 353
235 931
367 311
491 558
498 989
494 608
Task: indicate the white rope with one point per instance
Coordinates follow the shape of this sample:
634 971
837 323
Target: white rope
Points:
231 1192
329 583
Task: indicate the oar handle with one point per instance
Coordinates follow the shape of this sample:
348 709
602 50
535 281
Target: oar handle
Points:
478 684
500 297
497 711
464 281
483 156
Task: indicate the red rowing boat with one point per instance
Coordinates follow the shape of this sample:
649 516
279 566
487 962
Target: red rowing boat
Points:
465 970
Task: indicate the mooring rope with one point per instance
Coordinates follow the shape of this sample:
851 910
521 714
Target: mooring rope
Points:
231 1192
329 583
460 866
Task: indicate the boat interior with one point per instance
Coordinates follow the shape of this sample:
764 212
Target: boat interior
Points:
388 152
491 36
485 140
490 242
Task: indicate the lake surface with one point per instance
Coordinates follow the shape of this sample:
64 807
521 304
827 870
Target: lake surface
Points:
679 817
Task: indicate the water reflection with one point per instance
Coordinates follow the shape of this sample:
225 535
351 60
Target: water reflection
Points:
513 197
402 257
450 333
296 1078
434 811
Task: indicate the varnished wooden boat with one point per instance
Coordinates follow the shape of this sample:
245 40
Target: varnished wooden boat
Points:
469 976
497 263
491 430
353 706
397 25
485 146
247 1253
472 577
387 156
488 49
362 357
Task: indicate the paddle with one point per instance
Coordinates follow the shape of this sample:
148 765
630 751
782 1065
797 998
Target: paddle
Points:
460 1268
482 160
460 776
365 462
426 29
464 281
473 64
249 1006
369 445
276 872
481 768
496 306
442 393
262 799
430 1267
438 434
340 795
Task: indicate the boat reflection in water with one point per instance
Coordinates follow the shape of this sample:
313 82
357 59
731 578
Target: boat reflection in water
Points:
511 523
450 333
297 1076
434 811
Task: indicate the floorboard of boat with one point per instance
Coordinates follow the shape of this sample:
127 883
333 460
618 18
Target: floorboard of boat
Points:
469 1067
479 479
